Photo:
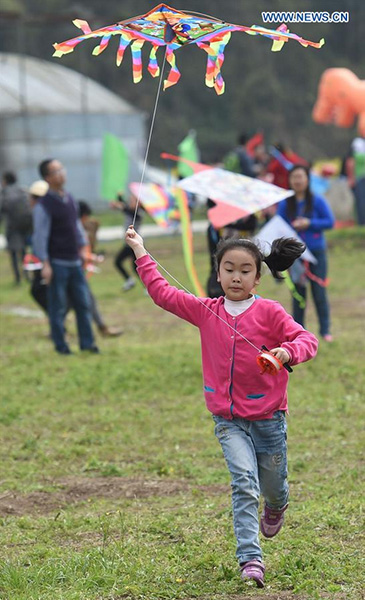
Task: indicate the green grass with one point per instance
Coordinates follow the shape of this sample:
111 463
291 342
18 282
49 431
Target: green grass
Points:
112 484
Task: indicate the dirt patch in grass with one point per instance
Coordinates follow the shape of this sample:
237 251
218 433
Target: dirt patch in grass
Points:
76 490
254 594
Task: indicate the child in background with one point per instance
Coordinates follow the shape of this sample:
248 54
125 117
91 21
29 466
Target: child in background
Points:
125 253
89 223
91 226
248 406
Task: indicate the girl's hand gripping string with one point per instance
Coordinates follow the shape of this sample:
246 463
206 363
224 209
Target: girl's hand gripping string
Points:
135 241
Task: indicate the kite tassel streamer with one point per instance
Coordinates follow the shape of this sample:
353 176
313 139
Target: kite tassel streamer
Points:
278 43
174 74
309 275
209 78
103 44
83 25
219 84
123 44
153 67
215 59
187 240
136 48
64 48
69 45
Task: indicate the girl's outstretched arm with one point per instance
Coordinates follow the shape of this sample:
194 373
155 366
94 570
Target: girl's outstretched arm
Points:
180 303
295 341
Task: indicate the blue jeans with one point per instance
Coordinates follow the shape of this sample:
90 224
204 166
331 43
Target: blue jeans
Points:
319 294
69 282
359 192
255 453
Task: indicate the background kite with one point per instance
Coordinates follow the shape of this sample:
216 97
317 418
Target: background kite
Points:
235 195
167 206
158 201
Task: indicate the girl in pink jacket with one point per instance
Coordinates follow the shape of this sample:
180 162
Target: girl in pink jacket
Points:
248 406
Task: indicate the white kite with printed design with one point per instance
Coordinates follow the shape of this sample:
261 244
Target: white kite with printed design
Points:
236 196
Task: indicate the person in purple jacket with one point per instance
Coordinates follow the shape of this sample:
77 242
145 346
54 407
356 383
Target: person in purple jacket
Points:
248 406
309 215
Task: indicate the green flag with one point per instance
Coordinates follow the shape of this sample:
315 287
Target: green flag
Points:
188 149
115 167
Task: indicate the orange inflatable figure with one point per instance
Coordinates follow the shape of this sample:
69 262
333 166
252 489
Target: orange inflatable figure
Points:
341 98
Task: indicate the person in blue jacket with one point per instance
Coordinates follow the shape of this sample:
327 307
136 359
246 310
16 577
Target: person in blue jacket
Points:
309 215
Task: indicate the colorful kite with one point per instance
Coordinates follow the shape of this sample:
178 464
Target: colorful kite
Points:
167 206
166 26
159 202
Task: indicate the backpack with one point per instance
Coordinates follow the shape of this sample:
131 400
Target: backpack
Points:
232 162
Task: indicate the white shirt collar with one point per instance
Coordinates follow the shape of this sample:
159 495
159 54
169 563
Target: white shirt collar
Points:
234 308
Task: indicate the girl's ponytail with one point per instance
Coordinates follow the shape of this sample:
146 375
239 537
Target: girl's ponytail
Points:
284 251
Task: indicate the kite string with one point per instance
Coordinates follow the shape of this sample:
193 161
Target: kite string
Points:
138 202
149 139
203 303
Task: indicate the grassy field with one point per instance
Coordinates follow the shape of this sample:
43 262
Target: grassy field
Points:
112 484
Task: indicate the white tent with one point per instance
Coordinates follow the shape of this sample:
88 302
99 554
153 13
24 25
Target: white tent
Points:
48 110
